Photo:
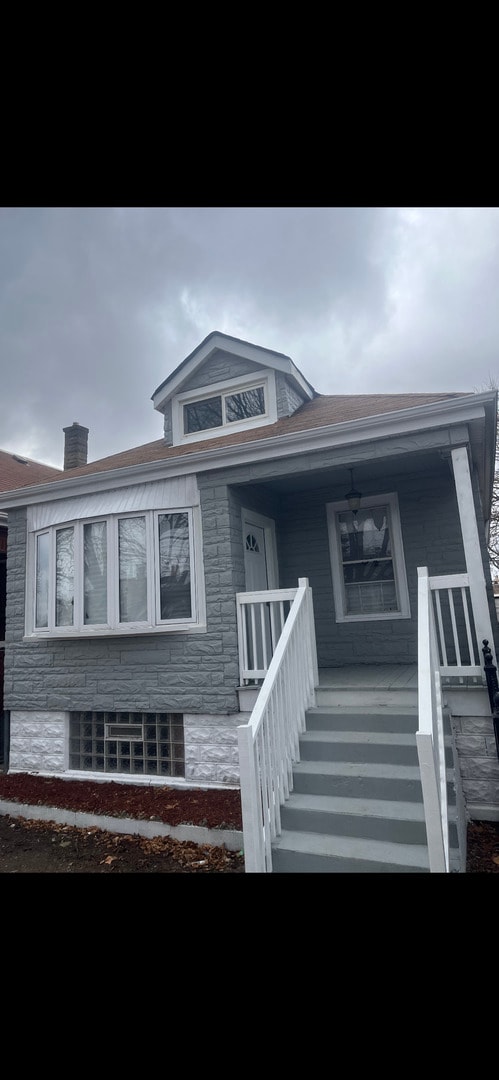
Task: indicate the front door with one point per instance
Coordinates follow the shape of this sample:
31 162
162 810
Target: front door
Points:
261 574
255 557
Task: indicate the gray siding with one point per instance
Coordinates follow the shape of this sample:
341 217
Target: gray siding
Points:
288 398
168 424
219 367
431 537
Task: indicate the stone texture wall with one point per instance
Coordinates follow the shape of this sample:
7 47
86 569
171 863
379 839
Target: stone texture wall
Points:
288 399
38 741
220 367
211 750
476 748
171 672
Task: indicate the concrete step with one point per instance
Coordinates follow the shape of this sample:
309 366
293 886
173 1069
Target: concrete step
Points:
377 819
319 853
362 746
358 780
364 698
350 718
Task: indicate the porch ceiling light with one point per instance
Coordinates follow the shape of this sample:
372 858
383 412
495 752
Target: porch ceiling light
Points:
353 497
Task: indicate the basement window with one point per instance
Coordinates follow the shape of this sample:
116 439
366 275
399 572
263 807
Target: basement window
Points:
367 560
127 743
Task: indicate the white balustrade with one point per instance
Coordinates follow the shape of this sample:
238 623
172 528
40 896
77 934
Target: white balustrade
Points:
260 621
269 742
430 738
455 634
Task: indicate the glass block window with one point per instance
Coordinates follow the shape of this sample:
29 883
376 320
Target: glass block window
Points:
130 743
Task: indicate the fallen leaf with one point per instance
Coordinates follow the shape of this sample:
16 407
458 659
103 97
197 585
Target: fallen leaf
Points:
110 859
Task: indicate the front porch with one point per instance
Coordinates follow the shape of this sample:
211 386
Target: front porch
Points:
357 767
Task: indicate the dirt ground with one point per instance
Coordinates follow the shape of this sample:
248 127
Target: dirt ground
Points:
32 847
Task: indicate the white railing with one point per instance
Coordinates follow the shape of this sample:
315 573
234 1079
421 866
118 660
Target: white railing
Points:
455 634
260 621
430 737
269 742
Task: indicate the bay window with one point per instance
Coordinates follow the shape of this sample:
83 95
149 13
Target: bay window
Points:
119 573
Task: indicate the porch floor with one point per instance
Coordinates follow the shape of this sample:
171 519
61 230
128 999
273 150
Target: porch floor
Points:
370 676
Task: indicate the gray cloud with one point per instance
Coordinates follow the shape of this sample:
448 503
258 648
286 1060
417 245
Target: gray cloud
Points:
98 305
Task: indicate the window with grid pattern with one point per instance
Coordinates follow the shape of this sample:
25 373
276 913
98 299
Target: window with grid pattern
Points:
142 744
367 560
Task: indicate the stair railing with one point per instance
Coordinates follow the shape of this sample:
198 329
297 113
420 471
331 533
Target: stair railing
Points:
269 742
260 621
430 737
492 687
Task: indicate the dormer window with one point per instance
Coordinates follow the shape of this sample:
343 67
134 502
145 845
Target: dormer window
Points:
224 409
217 409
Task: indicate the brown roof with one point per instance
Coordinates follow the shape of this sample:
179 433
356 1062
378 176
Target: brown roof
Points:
321 411
18 471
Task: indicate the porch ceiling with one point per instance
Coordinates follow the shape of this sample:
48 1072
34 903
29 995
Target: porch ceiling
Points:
365 472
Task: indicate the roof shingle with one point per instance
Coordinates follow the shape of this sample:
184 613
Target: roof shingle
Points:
18 471
322 411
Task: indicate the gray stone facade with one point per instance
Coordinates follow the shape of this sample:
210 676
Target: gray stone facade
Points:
198 674
477 753
288 398
220 367
38 743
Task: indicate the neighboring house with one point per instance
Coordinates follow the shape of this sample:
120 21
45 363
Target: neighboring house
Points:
138 636
16 471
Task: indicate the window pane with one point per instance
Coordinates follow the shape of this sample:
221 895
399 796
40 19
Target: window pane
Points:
365 533
371 598
42 580
247 403
132 569
95 572
64 577
378 569
203 414
174 566
368 570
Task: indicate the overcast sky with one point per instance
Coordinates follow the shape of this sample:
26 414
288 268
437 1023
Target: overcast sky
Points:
99 305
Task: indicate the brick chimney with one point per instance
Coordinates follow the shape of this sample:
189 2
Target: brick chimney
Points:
75 445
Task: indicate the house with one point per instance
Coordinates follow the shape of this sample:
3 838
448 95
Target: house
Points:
287 590
16 471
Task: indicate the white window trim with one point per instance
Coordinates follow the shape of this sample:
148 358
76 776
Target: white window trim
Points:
264 378
400 575
153 625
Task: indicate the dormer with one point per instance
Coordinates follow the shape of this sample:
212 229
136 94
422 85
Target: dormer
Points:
228 385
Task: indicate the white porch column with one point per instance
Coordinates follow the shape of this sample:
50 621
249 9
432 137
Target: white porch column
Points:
472 549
